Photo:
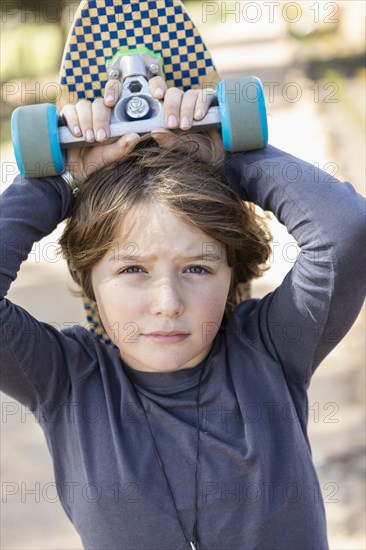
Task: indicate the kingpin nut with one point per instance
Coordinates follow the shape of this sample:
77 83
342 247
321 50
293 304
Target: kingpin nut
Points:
137 107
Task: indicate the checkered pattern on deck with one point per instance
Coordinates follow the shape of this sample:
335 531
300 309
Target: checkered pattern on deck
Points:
94 324
106 26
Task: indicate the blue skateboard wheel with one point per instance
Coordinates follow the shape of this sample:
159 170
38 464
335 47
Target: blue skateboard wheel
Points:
36 144
243 114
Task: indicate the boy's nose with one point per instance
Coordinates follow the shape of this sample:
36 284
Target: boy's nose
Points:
166 300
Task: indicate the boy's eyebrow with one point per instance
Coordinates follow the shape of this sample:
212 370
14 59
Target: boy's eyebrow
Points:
203 257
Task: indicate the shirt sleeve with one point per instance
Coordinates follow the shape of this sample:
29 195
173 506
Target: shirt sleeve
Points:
302 320
34 355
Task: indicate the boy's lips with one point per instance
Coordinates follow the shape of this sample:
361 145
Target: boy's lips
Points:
166 333
167 336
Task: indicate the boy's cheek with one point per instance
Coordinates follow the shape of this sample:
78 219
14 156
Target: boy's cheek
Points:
213 306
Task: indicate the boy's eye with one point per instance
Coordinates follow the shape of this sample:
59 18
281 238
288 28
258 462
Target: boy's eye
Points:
197 269
132 269
194 269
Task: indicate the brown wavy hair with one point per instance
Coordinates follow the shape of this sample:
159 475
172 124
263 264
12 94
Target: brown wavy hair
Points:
195 191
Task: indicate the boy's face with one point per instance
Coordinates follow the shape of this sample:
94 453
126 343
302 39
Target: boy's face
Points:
168 277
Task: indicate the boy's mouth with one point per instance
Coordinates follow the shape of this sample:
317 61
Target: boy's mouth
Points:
167 336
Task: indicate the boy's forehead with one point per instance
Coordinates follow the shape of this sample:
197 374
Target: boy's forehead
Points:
152 232
153 223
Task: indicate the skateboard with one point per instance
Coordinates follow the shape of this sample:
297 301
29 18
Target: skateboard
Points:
134 40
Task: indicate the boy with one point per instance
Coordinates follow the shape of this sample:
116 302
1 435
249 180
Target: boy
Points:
177 458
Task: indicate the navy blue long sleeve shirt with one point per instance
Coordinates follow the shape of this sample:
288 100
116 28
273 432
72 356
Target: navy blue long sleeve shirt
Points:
257 486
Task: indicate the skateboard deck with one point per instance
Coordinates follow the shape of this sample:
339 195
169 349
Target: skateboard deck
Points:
103 27
100 29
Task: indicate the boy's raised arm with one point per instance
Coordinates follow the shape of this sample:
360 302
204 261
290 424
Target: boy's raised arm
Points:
320 298
32 360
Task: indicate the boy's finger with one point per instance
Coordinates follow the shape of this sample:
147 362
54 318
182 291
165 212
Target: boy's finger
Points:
101 116
158 87
170 140
116 150
84 112
112 92
71 118
204 100
163 137
172 103
188 109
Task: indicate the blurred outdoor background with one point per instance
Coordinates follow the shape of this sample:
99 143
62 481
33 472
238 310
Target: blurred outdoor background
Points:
310 57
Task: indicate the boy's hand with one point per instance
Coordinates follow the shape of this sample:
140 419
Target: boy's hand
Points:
91 120
180 110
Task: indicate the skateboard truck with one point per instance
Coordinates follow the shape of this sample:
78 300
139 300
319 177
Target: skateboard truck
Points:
241 116
134 68
136 109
